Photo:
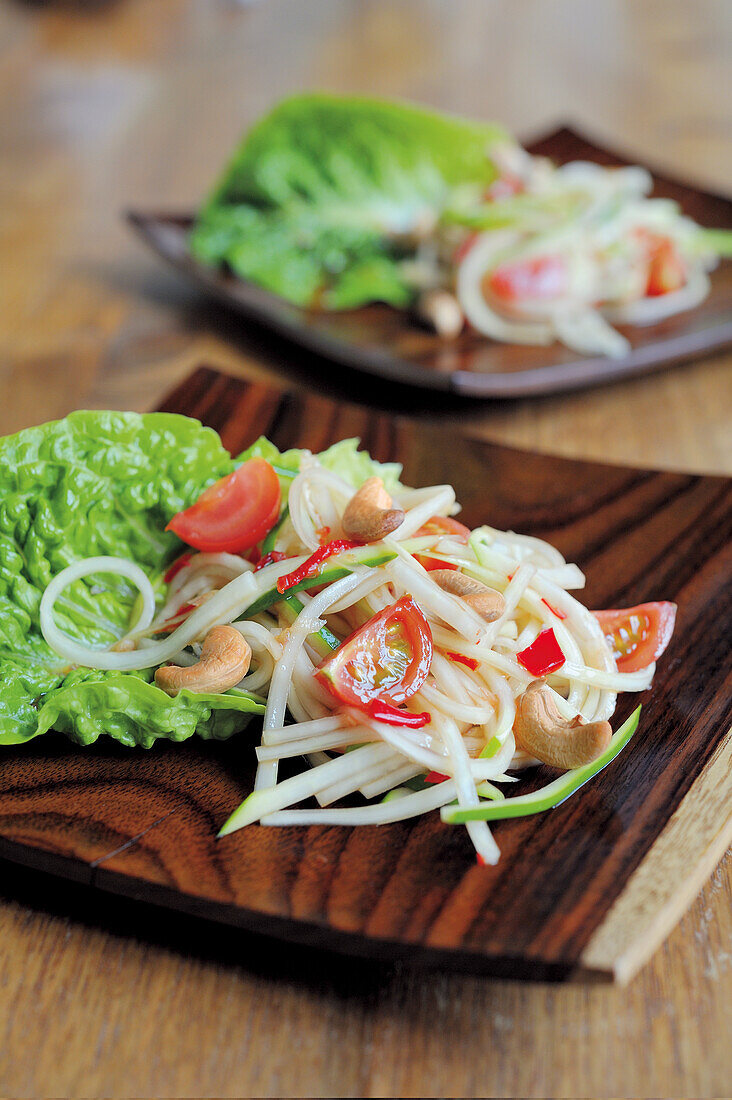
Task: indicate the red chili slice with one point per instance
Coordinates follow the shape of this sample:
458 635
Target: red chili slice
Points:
553 609
310 567
395 716
543 655
461 659
268 559
176 566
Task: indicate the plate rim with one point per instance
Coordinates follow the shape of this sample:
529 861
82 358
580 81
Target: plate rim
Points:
561 377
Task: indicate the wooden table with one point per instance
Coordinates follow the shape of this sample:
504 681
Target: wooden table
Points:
132 103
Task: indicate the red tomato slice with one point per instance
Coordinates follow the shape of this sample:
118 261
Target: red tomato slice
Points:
666 270
638 635
386 659
234 513
539 277
441 525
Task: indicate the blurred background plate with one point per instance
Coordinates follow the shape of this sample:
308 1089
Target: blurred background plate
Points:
388 343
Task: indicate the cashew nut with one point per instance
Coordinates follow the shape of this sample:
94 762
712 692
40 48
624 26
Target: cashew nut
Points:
541 731
369 515
224 660
441 311
487 602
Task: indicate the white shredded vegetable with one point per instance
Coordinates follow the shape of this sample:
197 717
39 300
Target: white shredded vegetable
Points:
447 733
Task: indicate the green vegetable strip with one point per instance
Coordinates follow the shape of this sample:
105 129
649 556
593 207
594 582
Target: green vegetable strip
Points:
324 641
326 577
269 543
551 795
716 240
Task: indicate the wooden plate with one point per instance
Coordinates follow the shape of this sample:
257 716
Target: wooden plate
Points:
588 889
386 342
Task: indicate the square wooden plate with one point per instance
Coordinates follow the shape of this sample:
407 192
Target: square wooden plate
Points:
386 343
586 890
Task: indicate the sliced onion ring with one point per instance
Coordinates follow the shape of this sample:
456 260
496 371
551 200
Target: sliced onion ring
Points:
64 645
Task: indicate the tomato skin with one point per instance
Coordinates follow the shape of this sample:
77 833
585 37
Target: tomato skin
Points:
441 525
638 635
368 652
234 513
538 277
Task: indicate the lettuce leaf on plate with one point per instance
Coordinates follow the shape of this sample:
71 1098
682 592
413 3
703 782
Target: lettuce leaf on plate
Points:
319 200
343 458
107 483
97 483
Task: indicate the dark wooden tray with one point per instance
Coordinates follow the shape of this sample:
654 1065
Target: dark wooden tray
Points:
589 889
385 342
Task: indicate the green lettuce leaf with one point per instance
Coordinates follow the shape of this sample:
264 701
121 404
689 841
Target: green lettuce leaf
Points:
97 483
107 483
319 201
343 458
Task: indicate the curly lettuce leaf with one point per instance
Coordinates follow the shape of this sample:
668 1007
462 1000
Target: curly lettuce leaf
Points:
343 458
318 202
97 483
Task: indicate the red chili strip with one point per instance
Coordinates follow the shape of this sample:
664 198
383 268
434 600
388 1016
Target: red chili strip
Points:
435 777
543 655
175 568
268 559
554 610
461 659
175 620
310 567
480 861
393 716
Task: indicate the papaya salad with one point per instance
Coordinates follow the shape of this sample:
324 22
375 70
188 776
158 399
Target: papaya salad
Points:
404 663
333 202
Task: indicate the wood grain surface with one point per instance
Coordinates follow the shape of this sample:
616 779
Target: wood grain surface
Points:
390 345
105 106
144 824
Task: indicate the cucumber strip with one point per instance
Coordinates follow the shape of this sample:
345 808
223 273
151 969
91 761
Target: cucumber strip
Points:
269 542
488 790
282 471
326 577
714 240
273 596
554 793
489 750
323 641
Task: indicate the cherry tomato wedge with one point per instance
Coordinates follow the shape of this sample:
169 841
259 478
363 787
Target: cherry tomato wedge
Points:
638 635
539 277
387 659
233 514
441 525
666 269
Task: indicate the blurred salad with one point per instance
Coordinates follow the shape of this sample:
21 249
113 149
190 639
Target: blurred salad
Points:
335 202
